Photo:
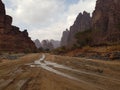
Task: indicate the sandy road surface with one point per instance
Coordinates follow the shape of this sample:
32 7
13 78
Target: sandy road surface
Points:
58 73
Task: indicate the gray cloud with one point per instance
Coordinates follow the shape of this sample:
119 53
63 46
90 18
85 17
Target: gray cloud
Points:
46 19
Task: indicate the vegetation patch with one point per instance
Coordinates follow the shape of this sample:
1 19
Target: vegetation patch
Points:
83 38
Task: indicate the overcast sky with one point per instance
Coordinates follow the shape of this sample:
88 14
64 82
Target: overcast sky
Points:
46 19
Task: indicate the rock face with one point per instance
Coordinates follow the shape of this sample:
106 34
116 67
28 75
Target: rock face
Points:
106 21
104 25
64 39
37 43
11 38
47 45
82 23
55 43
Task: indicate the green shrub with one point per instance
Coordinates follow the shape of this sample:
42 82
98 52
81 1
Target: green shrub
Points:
27 50
60 50
84 38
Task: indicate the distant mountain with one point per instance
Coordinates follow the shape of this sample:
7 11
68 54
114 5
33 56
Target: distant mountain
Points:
37 43
11 38
55 43
47 44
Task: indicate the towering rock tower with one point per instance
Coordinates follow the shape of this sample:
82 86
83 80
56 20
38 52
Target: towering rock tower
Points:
106 21
64 39
82 23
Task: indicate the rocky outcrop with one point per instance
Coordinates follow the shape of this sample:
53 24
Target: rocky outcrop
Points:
106 22
64 39
82 23
11 38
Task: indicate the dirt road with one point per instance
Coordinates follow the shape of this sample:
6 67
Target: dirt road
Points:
58 73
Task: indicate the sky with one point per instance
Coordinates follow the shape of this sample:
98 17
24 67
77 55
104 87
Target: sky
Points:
46 19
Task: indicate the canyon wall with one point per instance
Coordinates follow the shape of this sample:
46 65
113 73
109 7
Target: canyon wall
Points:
11 38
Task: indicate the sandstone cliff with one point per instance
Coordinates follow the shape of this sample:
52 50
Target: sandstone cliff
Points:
11 38
82 23
55 43
64 39
47 45
106 22
37 43
104 26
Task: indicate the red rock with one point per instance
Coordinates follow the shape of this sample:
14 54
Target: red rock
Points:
106 21
64 38
82 23
2 8
11 38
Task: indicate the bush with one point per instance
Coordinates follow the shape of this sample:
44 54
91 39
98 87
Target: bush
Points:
27 50
84 38
60 50
75 46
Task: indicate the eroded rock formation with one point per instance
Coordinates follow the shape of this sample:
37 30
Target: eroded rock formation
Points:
11 38
82 23
37 43
47 45
106 21
55 43
104 25
64 39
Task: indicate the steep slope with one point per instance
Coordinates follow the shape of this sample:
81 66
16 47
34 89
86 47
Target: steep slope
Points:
37 43
104 26
55 43
47 45
106 22
82 23
64 38
11 38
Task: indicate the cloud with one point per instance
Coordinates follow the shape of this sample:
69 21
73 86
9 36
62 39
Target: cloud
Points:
75 9
36 12
46 19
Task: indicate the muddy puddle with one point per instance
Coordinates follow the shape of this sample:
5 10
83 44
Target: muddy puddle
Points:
47 65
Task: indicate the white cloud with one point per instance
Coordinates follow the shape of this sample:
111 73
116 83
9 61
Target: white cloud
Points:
46 19
52 32
36 12
82 5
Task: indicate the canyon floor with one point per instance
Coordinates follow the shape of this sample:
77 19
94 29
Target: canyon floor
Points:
58 73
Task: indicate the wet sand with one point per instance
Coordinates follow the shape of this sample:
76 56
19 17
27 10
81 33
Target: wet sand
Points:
58 73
